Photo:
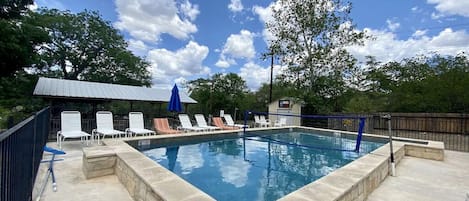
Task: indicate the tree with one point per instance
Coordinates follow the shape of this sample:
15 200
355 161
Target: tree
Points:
419 84
85 47
220 92
311 36
16 99
279 90
19 37
432 84
13 9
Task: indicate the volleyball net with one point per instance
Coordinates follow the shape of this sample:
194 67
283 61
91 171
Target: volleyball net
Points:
338 124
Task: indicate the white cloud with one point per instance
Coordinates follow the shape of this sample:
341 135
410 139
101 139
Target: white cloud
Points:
255 75
387 47
167 65
237 46
451 7
189 10
138 47
235 6
419 33
33 6
147 20
224 62
265 15
436 16
240 45
392 25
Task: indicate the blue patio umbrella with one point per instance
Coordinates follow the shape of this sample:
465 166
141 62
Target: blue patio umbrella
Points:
174 104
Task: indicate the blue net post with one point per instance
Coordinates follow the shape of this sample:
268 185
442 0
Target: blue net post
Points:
360 133
246 114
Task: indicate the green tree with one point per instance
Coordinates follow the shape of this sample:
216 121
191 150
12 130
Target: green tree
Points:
201 91
19 37
85 47
16 99
279 90
432 84
13 9
311 36
419 84
220 92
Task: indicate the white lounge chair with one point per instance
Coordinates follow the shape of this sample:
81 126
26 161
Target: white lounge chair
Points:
136 125
105 125
70 125
186 124
282 121
202 123
264 121
230 122
257 121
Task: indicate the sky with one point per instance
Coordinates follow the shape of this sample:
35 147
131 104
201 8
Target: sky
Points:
188 39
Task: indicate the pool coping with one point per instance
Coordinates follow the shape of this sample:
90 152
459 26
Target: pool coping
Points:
147 180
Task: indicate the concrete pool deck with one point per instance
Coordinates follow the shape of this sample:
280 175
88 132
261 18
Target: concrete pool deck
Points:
72 184
417 179
424 180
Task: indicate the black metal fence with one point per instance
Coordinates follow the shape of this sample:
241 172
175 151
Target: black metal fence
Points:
21 153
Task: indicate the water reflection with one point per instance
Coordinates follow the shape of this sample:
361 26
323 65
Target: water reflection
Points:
259 169
172 154
234 170
190 158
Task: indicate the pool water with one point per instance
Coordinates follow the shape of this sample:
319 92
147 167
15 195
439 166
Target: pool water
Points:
260 167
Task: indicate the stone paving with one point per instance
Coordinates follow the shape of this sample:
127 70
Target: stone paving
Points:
71 182
427 180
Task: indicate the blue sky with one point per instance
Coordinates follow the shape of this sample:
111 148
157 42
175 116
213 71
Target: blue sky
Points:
188 39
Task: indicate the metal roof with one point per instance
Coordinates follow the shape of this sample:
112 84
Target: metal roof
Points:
73 89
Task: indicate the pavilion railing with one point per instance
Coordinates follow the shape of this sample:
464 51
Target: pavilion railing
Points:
21 149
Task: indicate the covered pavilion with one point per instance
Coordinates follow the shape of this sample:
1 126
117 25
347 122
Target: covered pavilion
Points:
65 94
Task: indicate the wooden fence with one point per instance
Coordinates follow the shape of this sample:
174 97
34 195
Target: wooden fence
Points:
452 129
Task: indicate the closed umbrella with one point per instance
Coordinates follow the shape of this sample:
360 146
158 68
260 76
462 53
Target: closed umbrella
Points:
174 104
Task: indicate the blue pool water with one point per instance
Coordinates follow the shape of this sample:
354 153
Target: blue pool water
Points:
257 168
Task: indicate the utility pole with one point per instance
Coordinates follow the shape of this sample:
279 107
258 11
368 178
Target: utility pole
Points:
271 75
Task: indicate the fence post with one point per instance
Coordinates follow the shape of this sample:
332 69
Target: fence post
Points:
10 122
33 153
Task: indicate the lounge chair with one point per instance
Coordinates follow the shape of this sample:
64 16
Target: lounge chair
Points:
282 121
258 122
186 124
230 122
105 126
202 123
70 125
136 125
264 121
162 126
218 122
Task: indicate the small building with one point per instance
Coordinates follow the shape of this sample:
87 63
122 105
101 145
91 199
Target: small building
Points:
286 105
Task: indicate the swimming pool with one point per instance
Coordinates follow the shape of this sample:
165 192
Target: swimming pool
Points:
262 166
